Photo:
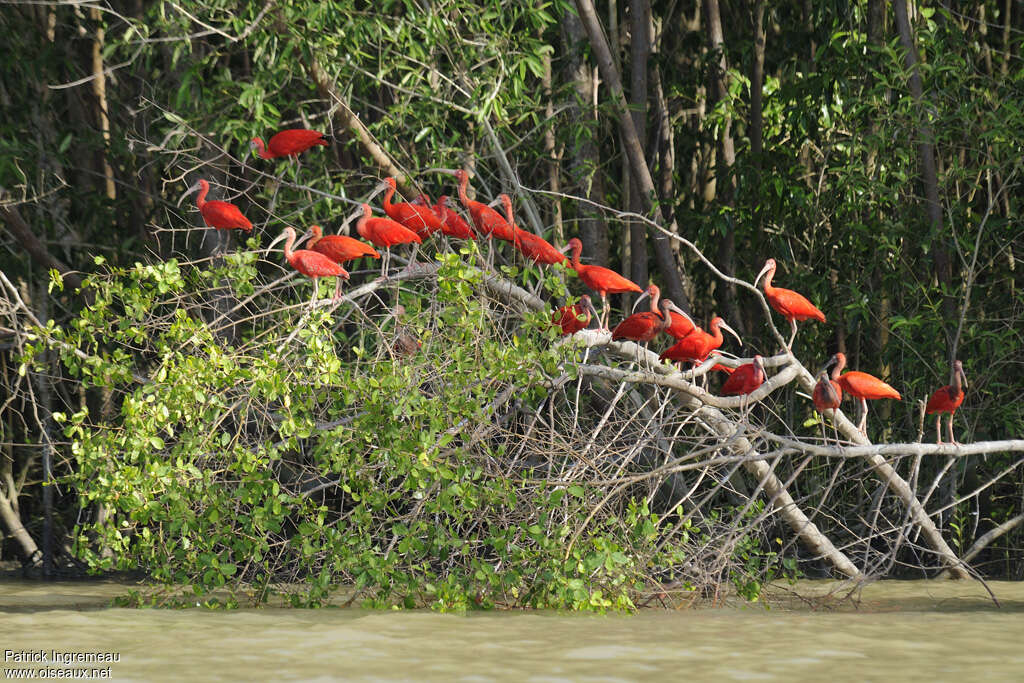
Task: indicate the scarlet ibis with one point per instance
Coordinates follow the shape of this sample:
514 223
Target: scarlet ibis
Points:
600 279
534 247
289 143
486 220
452 224
312 264
384 233
644 327
218 214
745 379
718 367
568 317
339 248
698 345
419 219
861 385
947 400
791 305
827 394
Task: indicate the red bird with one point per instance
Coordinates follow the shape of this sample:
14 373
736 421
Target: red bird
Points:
698 345
218 214
533 247
312 264
600 279
289 143
745 379
452 224
861 385
680 323
791 305
568 317
486 220
643 327
680 326
827 394
419 219
947 400
384 233
339 248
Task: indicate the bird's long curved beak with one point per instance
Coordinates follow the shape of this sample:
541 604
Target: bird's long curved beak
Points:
593 311
646 294
445 171
355 215
760 275
676 309
279 238
963 378
725 326
189 192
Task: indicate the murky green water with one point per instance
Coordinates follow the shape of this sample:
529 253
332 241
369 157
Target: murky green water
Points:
899 631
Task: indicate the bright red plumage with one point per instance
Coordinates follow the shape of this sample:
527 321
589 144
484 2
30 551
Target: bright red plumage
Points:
218 214
289 143
384 232
419 219
314 264
452 224
639 327
679 326
533 247
490 223
945 400
827 394
599 279
789 304
339 248
863 385
538 249
697 345
744 379
568 317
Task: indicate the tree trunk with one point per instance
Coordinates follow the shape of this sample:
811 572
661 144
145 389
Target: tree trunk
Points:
557 233
583 168
640 51
757 86
725 183
926 153
671 280
99 91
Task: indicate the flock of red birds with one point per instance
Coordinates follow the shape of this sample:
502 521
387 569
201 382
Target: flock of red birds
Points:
411 223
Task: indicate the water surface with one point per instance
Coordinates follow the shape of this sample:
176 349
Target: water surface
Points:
911 630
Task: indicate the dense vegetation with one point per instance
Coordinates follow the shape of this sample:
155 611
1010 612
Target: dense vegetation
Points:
208 428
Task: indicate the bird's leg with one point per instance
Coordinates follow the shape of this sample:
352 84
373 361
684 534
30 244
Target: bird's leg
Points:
938 428
789 346
337 289
864 417
412 257
604 311
316 293
384 264
952 439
